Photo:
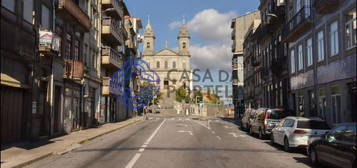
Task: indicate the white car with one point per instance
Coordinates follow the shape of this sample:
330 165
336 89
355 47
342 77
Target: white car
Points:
294 132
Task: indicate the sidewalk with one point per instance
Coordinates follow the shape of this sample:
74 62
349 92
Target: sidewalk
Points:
19 157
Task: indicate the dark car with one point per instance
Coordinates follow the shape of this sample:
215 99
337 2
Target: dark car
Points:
265 120
247 117
337 147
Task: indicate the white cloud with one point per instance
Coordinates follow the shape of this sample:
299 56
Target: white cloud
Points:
213 29
211 25
175 24
218 56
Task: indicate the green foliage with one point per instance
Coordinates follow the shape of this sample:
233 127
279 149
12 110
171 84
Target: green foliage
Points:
147 90
183 95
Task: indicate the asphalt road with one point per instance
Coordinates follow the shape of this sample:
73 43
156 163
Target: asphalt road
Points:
177 142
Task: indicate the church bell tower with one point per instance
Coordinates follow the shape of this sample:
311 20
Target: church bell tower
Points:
184 40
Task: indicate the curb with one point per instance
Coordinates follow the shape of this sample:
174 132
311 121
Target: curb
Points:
70 149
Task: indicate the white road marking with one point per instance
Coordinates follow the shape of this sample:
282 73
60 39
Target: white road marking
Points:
213 132
187 119
180 119
190 132
233 134
242 136
185 125
202 125
137 155
172 119
219 138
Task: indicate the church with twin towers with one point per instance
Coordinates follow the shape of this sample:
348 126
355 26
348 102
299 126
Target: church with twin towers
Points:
173 67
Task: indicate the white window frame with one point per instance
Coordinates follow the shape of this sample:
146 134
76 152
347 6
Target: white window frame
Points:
292 61
334 46
320 46
310 59
350 31
300 57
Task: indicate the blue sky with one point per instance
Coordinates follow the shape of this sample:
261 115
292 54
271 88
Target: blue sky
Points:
164 12
209 25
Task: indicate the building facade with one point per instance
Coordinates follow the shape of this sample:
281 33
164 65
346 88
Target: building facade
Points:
322 56
239 28
173 67
57 58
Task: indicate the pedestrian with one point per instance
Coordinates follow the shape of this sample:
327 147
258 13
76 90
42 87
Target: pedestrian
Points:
145 113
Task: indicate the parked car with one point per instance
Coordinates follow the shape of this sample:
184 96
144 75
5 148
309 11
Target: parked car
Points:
337 147
247 117
294 132
265 120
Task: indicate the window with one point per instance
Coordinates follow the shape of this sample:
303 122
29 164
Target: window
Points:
174 65
320 46
76 50
28 8
309 52
322 107
300 57
158 64
307 8
68 53
45 17
334 39
166 65
184 45
148 45
350 29
8 4
292 61
288 123
336 108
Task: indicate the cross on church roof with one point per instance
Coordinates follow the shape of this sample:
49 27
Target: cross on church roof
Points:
166 44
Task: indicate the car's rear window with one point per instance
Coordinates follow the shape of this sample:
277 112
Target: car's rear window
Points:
312 124
277 114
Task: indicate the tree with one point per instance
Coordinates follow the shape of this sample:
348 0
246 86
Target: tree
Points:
183 95
149 93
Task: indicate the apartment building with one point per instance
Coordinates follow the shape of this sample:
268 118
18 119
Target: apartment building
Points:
322 58
57 57
239 28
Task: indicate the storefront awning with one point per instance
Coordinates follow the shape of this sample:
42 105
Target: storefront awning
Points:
12 82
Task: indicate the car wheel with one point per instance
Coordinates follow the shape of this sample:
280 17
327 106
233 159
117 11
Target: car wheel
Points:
313 156
272 139
260 133
286 145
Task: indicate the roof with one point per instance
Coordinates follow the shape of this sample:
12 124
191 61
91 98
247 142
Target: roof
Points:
166 52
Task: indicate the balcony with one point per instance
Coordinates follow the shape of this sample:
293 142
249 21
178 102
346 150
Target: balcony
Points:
326 6
111 58
233 35
73 69
276 14
106 86
235 82
71 12
298 24
112 32
116 5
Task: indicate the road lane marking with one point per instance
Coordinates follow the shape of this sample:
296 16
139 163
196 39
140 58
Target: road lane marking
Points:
213 132
202 125
142 148
242 136
233 134
208 124
219 138
190 132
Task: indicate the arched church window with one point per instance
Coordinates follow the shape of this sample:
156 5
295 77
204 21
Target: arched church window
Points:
174 65
148 45
183 45
158 64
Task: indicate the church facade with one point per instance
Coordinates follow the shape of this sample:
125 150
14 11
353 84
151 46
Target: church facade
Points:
173 67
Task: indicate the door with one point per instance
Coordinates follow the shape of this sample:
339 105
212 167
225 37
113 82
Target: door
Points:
11 114
57 110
